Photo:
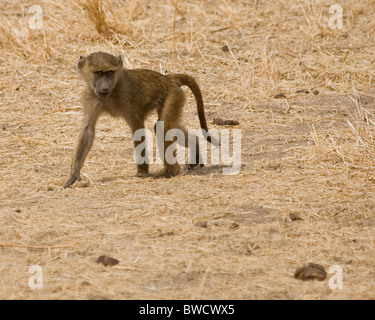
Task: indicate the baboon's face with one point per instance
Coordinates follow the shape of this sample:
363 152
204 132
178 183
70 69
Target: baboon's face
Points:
103 83
100 71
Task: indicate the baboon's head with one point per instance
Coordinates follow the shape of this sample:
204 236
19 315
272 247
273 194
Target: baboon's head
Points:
101 71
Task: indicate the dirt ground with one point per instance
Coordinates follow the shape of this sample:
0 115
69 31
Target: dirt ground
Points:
306 190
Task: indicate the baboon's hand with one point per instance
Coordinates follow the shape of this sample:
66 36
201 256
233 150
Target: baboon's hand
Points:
74 177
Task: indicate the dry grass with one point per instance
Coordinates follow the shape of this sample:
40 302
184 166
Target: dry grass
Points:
96 14
311 155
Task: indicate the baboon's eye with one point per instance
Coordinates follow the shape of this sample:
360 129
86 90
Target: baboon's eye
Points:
104 73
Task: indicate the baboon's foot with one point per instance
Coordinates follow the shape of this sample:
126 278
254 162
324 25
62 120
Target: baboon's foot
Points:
191 166
142 170
142 174
75 176
171 170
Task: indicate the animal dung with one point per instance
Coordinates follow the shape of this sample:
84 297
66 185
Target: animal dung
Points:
314 92
225 48
279 96
201 224
294 217
311 271
303 91
107 261
222 122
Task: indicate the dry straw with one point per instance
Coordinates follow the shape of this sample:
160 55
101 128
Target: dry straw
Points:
201 235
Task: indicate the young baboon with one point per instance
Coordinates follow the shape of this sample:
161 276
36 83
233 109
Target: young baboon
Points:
132 94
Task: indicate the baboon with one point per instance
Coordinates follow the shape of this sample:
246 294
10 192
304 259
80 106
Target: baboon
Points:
132 94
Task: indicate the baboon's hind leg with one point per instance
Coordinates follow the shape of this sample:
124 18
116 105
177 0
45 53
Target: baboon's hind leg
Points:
171 115
191 140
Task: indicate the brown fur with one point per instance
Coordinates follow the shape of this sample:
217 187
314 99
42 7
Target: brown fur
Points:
132 95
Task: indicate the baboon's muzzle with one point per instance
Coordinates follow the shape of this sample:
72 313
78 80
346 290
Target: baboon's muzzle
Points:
103 93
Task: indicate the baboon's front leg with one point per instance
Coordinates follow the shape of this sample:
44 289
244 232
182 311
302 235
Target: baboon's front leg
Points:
140 154
142 168
85 142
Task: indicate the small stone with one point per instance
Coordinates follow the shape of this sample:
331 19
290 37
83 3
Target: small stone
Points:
201 224
279 96
311 271
107 261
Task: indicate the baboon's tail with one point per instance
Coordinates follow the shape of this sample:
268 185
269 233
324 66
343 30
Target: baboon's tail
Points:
184 79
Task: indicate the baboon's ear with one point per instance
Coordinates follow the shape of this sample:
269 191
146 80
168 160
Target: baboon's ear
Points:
119 59
81 63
